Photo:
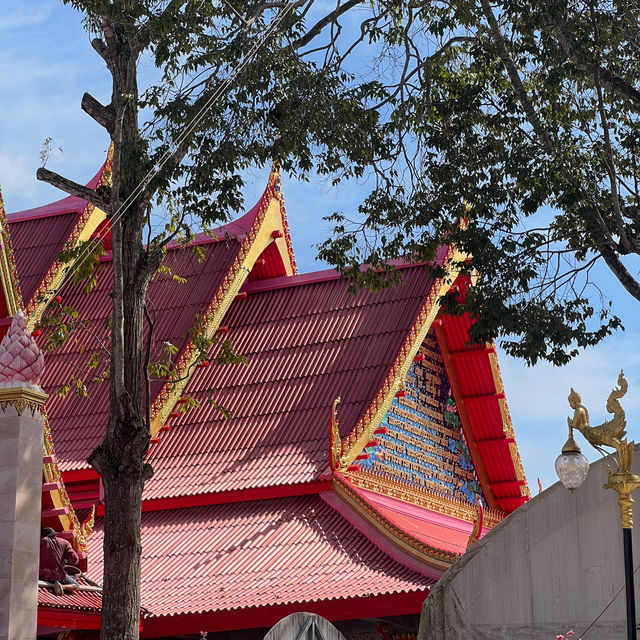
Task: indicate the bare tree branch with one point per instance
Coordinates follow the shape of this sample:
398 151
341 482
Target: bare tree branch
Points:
74 189
323 22
609 81
514 76
101 49
104 116
620 271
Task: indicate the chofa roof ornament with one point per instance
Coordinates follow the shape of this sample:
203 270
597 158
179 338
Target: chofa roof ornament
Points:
21 361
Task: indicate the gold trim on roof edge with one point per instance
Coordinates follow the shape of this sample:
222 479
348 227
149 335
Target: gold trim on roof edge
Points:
507 424
334 436
34 400
270 217
8 270
87 223
357 439
285 223
432 556
421 497
59 496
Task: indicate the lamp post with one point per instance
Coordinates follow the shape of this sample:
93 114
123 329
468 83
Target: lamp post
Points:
572 468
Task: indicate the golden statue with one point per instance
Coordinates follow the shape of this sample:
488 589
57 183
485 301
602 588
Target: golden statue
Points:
611 433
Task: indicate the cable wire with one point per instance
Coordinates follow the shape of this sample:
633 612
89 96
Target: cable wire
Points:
197 118
584 633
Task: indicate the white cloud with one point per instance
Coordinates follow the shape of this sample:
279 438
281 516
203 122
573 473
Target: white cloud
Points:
17 14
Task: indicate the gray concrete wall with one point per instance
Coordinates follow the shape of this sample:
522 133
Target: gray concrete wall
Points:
20 497
551 566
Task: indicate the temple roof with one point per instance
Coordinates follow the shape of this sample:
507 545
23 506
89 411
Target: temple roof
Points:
252 555
78 422
41 233
305 344
247 513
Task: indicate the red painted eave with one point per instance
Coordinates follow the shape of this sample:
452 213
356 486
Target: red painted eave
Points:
476 385
391 604
59 618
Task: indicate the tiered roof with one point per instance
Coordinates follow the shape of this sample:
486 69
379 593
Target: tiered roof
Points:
274 509
251 563
307 341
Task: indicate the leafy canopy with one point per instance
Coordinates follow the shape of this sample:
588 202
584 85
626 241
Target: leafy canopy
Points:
526 125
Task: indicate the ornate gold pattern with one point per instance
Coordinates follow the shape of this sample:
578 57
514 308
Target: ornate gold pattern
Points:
89 220
8 271
21 398
60 497
170 393
334 436
432 556
474 536
422 497
285 224
363 431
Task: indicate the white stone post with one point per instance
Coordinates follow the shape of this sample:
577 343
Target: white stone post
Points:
20 497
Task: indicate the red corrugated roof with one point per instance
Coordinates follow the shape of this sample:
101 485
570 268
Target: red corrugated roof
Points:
36 243
78 423
254 554
78 601
305 346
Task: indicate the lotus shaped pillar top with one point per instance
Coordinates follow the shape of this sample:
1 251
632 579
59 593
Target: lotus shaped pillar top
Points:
21 361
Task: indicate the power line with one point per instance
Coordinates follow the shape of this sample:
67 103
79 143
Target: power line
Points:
197 118
584 633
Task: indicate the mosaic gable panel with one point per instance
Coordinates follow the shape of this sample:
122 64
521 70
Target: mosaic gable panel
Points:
420 441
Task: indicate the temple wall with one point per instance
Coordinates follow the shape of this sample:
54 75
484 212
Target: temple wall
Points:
20 497
552 566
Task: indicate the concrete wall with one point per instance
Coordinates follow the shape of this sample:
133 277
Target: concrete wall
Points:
551 566
20 496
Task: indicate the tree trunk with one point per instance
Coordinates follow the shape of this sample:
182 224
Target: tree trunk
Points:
121 601
120 458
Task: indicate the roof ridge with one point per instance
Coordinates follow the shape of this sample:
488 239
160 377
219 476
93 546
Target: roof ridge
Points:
311 277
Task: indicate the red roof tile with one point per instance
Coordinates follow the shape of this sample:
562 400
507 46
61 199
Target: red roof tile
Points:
36 243
78 423
305 346
253 554
79 601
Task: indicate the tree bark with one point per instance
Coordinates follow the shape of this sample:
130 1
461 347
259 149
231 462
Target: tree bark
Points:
104 116
73 188
119 459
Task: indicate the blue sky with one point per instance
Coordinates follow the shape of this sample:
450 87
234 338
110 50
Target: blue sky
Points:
47 63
